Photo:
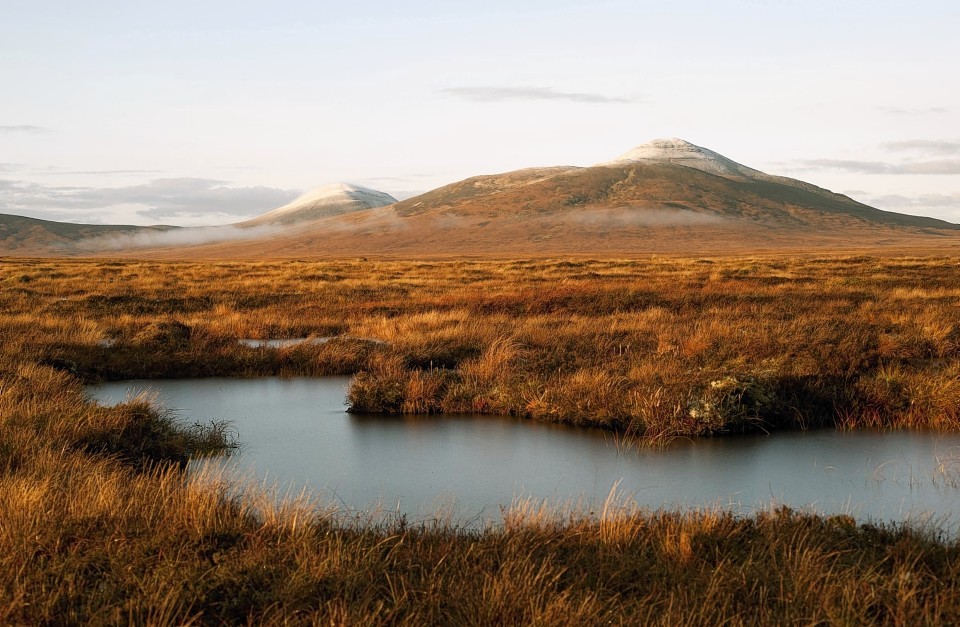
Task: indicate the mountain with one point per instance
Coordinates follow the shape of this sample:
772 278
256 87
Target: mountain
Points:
662 180
667 196
323 202
22 235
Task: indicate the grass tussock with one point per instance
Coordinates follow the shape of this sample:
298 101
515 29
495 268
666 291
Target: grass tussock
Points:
100 523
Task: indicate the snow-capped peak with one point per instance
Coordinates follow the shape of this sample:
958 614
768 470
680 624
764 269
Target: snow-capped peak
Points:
328 200
337 193
682 152
671 148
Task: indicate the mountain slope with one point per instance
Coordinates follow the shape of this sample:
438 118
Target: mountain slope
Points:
662 176
31 235
323 202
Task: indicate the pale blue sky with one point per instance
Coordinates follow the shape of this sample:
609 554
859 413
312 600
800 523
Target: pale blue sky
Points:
171 112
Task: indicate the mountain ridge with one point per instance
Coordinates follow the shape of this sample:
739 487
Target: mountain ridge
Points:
662 196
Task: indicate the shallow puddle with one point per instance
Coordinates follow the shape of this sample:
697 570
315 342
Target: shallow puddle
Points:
296 341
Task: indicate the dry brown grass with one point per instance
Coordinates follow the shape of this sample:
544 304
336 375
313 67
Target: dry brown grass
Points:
98 522
656 348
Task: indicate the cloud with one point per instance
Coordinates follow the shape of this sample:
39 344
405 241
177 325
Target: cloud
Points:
942 206
195 236
940 166
170 200
926 146
400 187
24 128
938 201
914 111
105 172
406 194
408 179
500 94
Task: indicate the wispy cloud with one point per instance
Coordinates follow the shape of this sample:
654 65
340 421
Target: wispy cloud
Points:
925 146
500 94
406 179
167 200
104 172
51 170
938 201
401 187
24 128
914 110
943 206
175 237
939 166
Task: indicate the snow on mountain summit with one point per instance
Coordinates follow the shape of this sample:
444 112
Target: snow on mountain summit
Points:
337 194
682 152
328 200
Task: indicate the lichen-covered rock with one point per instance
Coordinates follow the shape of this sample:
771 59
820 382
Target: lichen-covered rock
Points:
734 404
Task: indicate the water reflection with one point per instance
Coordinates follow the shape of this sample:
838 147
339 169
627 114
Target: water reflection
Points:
295 431
297 341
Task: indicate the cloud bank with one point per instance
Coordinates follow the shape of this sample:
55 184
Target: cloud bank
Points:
939 201
195 236
501 94
184 201
24 128
943 206
914 111
938 166
926 146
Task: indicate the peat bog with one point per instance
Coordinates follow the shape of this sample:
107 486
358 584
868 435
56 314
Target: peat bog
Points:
647 351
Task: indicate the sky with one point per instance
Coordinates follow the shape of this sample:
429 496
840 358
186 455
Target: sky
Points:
204 113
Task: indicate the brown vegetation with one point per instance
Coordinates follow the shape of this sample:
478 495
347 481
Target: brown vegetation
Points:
97 521
655 348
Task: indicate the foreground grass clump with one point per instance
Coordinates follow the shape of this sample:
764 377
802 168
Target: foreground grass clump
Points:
99 522
44 409
152 549
90 535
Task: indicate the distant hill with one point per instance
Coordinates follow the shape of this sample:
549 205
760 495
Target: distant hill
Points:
22 235
324 202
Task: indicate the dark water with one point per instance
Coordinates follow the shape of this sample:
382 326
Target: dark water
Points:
296 433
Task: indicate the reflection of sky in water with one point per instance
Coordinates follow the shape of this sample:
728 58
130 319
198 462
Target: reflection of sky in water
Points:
297 341
295 431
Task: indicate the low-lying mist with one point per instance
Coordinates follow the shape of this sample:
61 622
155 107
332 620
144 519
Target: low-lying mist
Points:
641 216
187 236
384 220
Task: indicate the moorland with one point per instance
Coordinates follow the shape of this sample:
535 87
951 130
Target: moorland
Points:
101 522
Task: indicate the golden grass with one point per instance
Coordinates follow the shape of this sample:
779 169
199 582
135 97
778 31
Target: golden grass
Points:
656 348
99 523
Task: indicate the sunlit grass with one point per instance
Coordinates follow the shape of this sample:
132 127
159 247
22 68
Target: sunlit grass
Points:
100 523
